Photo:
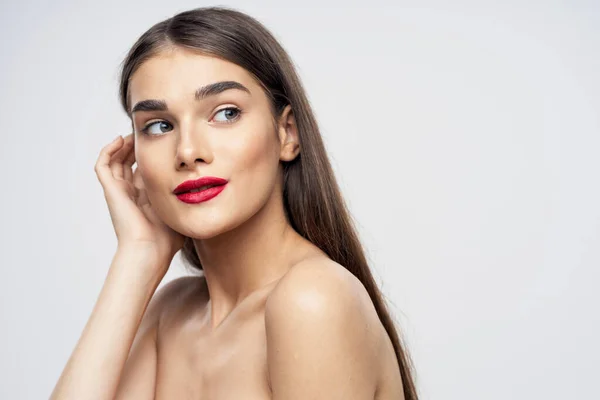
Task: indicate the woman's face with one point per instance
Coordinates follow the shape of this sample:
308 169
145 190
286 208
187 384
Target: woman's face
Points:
227 134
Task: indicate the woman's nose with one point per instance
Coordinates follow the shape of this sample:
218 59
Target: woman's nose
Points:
191 150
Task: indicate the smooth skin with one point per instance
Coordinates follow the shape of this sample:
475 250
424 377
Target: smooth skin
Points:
273 317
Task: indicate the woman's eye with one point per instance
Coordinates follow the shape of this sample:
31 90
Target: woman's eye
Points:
229 114
162 125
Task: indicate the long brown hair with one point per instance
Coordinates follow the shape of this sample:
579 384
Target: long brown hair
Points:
312 199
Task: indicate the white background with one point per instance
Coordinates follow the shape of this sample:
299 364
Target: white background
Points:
465 137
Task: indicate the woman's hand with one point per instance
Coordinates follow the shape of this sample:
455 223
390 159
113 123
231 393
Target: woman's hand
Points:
136 224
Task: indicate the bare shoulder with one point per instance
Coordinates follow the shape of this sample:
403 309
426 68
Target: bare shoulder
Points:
319 283
174 288
320 314
139 373
175 293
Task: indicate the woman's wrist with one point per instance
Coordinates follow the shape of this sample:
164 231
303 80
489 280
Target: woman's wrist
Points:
141 262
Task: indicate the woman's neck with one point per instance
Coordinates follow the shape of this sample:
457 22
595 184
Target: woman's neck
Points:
249 257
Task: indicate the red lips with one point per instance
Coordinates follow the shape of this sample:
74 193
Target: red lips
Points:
198 183
214 186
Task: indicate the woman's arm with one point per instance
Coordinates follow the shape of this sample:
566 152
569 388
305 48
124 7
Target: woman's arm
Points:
145 249
94 369
138 379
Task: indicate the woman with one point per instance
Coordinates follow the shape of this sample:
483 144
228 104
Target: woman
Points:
231 169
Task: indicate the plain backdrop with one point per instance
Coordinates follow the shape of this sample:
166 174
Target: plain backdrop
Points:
465 136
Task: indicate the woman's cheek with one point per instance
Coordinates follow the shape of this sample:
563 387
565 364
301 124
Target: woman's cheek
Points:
257 148
150 170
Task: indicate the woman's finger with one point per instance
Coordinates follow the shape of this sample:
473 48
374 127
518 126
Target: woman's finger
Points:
128 164
116 161
102 166
142 197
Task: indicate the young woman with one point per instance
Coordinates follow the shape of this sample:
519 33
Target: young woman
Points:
232 171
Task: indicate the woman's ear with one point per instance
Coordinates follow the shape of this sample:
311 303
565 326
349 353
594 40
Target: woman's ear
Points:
288 135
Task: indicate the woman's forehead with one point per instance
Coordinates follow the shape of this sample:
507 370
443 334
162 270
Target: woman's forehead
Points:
182 71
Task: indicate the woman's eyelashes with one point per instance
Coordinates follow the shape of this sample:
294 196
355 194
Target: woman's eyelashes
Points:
227 112
147 128
228 116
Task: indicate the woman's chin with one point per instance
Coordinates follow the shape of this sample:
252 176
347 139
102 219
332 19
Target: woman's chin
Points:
207 230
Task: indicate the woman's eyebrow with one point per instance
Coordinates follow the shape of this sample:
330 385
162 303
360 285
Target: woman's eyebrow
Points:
200 94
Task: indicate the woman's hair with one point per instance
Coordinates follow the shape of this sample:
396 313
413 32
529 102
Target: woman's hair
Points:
311 196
